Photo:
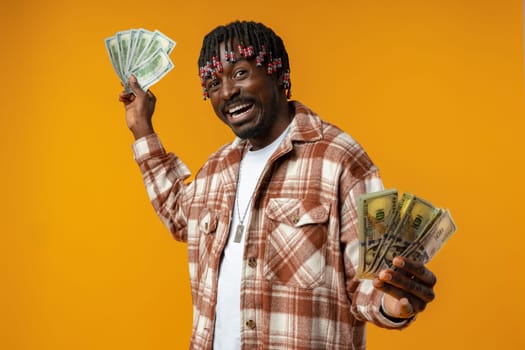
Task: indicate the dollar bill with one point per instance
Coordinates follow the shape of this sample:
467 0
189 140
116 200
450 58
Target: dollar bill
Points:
157 41
416 217
124 42
142 40
142 53
132 44
440 232
375 213
399 212
153 69
410 226
112 48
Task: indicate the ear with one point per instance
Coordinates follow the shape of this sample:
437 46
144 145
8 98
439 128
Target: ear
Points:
283 81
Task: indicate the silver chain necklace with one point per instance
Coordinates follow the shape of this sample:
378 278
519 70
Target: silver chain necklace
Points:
239 230
240 226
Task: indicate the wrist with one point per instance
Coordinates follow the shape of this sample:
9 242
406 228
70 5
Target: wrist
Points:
139 132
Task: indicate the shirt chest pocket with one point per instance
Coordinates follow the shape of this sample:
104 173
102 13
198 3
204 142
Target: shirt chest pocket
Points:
208 230
295 253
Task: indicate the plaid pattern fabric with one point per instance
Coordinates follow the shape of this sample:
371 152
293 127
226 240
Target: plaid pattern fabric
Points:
301 249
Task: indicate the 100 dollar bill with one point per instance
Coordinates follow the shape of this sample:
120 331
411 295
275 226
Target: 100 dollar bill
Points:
411 227
153 69
141 53
416 217
375 213
434 239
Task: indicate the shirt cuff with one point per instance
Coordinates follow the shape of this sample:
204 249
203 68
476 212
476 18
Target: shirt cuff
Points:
146 147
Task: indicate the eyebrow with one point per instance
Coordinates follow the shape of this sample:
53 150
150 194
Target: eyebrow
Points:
230 64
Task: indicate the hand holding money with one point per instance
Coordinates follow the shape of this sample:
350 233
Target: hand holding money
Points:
139 106
408 288
396 239
141 53
411 227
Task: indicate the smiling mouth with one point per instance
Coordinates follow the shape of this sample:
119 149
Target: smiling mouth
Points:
239 112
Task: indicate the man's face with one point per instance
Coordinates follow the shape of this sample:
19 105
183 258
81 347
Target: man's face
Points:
247 99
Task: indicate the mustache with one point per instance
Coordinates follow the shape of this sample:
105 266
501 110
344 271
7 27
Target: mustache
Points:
235 101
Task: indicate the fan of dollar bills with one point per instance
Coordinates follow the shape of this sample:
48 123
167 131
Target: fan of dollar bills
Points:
388 227
141 53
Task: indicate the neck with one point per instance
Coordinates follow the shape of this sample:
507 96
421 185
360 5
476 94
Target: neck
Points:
284 117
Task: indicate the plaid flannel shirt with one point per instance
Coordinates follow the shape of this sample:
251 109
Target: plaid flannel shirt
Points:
298 286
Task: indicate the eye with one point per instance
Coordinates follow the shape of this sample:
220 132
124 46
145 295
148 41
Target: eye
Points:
240 73
212 85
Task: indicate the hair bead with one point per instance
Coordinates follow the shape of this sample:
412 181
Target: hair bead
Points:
247 38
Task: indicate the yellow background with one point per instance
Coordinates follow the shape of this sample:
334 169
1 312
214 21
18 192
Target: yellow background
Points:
434 90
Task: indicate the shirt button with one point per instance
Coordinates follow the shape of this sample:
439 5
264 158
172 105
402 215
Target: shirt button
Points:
250 324
295 219
252 262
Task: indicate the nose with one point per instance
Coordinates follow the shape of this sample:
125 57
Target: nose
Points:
229 89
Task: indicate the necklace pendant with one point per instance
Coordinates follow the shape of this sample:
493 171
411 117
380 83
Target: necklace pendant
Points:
238 233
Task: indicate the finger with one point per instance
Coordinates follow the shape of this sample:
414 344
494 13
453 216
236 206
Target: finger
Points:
151 96
126 97
408 286
412 303
416 269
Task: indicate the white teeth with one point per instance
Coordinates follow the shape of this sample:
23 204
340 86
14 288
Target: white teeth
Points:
236 108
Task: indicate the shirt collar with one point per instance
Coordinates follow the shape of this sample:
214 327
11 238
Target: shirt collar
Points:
305 126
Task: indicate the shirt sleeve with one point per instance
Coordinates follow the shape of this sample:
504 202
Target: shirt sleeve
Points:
365 298
164 177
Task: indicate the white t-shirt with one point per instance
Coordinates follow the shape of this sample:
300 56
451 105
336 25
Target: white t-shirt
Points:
227 334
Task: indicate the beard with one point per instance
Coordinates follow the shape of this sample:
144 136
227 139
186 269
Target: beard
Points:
262 128
265 122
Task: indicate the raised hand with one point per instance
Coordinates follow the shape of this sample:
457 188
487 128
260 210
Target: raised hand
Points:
139 106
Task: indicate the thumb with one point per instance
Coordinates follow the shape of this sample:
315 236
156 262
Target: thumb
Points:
405 308
399 308
134 86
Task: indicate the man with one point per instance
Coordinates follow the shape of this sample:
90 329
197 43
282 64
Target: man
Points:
270 219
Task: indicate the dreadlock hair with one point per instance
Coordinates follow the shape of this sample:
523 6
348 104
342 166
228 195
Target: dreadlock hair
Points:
254 40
